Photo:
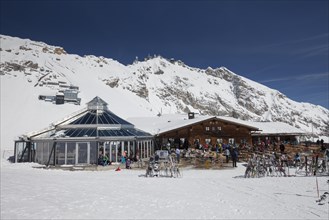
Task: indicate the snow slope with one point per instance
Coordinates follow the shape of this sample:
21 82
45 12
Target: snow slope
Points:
28 193
145 88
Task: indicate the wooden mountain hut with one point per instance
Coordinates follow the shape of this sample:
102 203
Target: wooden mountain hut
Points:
186 130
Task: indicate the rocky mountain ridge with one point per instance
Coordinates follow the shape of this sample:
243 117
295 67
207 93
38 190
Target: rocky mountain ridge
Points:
157 84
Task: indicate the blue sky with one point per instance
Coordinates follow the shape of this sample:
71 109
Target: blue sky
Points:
281 44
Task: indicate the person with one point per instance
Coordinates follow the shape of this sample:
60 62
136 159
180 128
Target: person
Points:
234 156
100 160
177 154
123 159
224 147
220 147
284 160
274 146
217 148
273 156
156 158
237 152
185 144
168 146
128 163
106 160
282 148
297 159
196 144
323 148
227 154
137 156
200 147
103 160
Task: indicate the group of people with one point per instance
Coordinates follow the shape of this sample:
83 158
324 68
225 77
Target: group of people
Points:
103 160
230 151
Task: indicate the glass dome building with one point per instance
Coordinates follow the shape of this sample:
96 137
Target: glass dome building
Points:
79 139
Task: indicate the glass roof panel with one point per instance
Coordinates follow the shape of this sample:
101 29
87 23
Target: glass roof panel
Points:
103 117
91 132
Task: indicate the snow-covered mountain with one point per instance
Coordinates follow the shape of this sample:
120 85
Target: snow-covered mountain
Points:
145 88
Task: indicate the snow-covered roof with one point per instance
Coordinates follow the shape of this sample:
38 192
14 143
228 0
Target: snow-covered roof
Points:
268 128
237 121
164 123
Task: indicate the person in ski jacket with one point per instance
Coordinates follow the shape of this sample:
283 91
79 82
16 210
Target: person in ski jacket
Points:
123 159
282 148
105 160
234 156
296 159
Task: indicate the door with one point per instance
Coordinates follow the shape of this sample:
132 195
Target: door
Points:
83 153
114 152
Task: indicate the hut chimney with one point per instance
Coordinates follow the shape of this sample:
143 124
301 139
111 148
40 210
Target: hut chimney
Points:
190 115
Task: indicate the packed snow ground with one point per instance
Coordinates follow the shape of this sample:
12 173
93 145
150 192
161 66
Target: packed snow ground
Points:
30 193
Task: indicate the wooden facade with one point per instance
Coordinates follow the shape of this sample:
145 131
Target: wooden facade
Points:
210 131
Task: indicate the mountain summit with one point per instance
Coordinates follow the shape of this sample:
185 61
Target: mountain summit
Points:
150 87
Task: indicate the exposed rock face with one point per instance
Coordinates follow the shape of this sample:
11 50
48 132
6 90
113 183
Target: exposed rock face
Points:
59 51
113 83
21 66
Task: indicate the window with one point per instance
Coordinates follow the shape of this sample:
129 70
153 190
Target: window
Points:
71 149
60 153
46 153
231 140
83 153
207 128
93 153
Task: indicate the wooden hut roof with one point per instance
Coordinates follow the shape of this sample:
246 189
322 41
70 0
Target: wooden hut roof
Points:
165 123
